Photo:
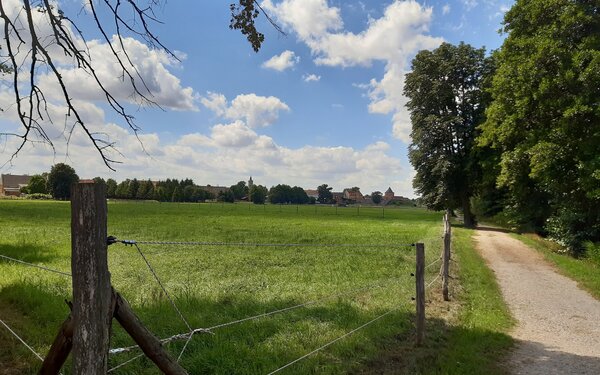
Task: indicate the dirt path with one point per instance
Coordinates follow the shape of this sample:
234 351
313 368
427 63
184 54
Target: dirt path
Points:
558 329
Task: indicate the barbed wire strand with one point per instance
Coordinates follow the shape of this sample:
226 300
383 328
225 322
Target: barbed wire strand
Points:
432 263
185 345
250 244
163 288
332 342
433 281
22 341
35 265
183 336
125 363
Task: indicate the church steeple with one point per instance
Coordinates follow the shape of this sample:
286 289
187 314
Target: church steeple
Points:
250 184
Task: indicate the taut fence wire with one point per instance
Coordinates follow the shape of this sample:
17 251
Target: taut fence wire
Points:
35 265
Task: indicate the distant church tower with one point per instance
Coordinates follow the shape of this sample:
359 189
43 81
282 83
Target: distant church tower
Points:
250 184
389 194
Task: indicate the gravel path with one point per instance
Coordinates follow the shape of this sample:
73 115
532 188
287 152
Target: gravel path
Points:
558 329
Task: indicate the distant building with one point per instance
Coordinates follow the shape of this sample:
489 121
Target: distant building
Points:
338 197
390 198
353 195
250 185
389 194
312 193
215 190
11 184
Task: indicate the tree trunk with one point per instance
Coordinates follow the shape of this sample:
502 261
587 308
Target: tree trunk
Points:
468 217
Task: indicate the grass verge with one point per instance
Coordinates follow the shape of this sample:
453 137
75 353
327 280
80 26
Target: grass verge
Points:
467 335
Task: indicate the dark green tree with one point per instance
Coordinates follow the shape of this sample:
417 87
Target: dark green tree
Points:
446 104
111 188
60 179
37 185
259 194
376 197
177 195
132 189
280 194
544 121
239 190
122 188
298 196
325 194
226 196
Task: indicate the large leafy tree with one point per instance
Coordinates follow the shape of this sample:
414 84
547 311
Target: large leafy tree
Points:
325 194
60 180
544 121
446 103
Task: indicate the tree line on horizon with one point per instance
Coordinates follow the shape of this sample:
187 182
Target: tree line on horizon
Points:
515 135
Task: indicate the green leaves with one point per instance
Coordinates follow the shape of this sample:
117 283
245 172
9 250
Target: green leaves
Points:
545 119
446 102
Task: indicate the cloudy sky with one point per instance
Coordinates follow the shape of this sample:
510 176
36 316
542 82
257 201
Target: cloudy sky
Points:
322 104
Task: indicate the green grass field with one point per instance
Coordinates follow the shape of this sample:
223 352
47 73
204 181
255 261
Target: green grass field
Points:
218 284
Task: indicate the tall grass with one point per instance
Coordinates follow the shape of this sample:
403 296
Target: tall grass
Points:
217 284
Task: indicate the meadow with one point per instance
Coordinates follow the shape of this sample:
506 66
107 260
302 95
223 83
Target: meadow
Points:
215 284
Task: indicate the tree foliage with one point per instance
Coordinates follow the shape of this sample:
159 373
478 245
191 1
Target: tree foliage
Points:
376 197
239 190
285 194
60 179
258 194
37 185
544 122
446 103
325 194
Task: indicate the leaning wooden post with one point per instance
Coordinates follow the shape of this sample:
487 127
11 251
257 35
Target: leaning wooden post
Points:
420 292
92 307
446 259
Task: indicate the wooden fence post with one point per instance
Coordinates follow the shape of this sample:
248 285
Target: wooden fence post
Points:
446 258
420 292
92 305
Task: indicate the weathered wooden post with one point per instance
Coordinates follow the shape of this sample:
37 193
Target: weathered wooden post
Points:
420 292
446 258
92 302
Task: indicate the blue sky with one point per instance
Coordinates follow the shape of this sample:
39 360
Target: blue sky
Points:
322 104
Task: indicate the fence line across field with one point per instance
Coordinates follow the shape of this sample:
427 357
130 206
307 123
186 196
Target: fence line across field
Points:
91 246
184 336
35 265
21 340
333 341
250 244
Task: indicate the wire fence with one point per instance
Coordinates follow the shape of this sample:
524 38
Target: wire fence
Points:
191 331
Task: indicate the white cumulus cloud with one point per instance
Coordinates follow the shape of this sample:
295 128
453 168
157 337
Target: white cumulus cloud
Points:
287 59
256 111
394 38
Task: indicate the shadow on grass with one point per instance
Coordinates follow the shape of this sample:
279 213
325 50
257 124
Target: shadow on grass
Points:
475 351
31 253
263 345
253 347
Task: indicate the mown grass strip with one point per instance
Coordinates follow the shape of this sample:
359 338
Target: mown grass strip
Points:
478 342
